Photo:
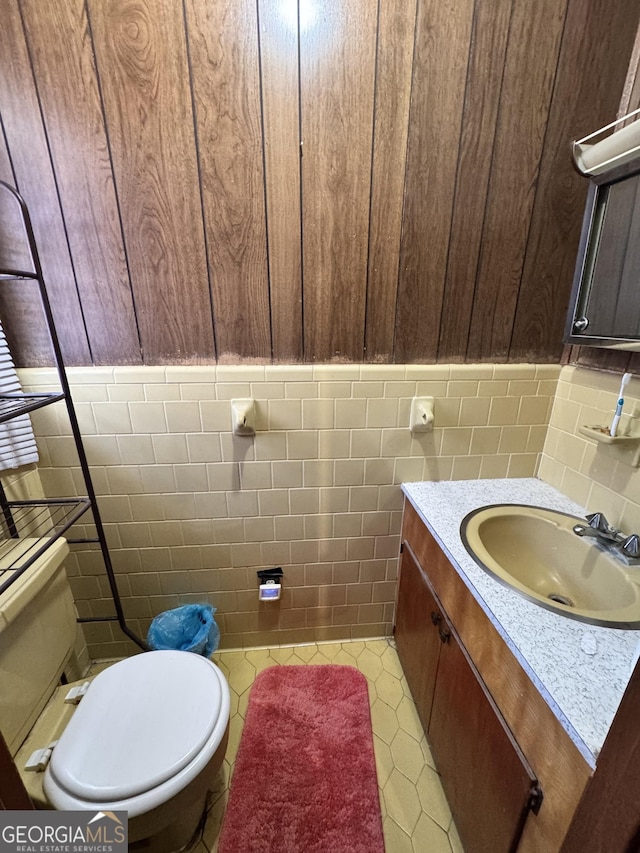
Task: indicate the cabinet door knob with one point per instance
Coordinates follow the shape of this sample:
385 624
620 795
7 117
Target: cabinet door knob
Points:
444 634
436 618
581 324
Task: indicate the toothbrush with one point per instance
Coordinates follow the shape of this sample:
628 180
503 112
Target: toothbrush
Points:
616 418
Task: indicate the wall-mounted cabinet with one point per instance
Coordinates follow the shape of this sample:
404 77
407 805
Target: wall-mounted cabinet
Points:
605 303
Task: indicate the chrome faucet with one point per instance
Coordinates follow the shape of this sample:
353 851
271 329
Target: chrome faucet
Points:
618 544
598 527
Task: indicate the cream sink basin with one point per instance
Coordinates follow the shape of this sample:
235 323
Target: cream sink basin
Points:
535 552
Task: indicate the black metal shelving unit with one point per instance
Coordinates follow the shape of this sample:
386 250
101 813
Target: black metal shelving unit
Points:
29 528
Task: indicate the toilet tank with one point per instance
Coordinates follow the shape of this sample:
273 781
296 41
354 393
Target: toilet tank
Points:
37 635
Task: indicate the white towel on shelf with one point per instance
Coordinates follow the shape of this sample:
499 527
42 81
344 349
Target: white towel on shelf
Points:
17 442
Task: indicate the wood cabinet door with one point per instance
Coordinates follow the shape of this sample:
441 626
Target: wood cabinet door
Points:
486 778
417 618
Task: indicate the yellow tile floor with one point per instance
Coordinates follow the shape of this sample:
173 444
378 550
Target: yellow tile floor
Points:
416 817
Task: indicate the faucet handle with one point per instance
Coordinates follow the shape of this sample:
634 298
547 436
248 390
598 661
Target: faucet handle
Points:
598 522
631 546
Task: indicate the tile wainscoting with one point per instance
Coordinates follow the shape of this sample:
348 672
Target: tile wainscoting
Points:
582 468
192 511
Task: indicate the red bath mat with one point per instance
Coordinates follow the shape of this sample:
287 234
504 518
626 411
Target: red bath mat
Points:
305 776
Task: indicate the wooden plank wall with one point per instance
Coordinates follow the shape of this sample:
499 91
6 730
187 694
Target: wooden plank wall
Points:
296 181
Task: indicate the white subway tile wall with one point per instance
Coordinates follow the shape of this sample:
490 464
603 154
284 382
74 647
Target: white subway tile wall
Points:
192 511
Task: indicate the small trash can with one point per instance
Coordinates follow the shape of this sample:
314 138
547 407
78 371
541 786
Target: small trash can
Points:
190 628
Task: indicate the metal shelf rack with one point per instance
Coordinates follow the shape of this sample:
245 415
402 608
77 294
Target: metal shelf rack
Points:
29 528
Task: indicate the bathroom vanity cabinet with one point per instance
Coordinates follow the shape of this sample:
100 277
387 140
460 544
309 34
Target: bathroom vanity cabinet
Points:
512 775
455 706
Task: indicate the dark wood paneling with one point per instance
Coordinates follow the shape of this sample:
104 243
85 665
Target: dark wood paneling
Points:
61 52
631 92
337 89
32 173
484 81
223 46
577 109
6 170
142 61
443 33
14 249
19 321
433 216
530 66
606 359
394 62
20 315
281 115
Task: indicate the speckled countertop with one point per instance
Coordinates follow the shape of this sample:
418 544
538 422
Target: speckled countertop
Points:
580 669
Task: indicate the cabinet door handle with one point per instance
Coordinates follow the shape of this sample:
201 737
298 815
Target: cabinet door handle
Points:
444 634
436 618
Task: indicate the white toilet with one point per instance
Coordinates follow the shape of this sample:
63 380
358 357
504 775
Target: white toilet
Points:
148 737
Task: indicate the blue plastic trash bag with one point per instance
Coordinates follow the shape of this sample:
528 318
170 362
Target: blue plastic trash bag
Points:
190 628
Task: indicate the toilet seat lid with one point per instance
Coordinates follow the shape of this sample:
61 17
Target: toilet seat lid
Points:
141 722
